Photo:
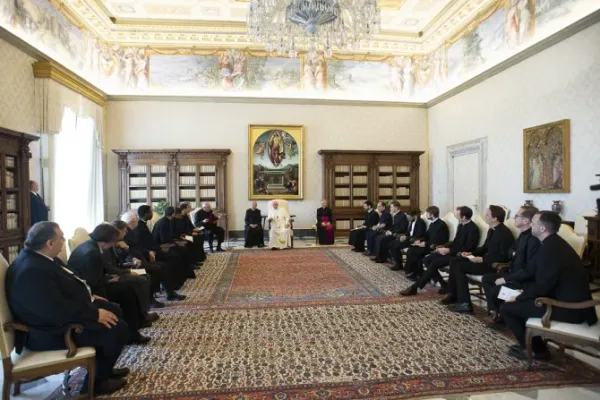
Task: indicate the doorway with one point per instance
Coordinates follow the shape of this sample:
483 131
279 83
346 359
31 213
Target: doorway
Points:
467 175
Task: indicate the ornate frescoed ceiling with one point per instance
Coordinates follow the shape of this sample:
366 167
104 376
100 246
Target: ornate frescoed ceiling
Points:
407 26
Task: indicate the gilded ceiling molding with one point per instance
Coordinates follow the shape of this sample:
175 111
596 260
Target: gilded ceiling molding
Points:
482 15
56 72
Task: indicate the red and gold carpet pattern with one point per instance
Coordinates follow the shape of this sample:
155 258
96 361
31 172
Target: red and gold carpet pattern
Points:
321 324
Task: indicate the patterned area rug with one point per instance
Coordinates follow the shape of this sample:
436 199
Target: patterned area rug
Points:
321 324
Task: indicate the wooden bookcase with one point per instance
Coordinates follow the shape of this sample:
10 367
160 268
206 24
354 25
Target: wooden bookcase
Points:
351 177
15 212
149 176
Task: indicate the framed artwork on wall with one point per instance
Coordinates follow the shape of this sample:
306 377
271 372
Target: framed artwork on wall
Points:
546 158
275 162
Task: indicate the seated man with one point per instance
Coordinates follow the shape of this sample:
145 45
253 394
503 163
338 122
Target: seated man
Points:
559 275
466 239
86 262
162 252
47 297
173 225
325 230
280 234
399 227
416 230
384 224
358 235
495 249
437 234
161 273
253 230
183 226
521 266
207 219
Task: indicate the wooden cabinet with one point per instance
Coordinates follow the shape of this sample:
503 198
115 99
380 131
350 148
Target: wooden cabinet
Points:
174 176
594 239
352 177
14 191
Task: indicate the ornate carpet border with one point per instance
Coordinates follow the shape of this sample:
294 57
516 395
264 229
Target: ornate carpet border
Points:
312 247
354 274
405 388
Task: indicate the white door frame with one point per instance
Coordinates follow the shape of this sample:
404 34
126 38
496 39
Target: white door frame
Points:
476 146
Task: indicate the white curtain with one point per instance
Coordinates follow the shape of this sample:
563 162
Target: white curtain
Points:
77 174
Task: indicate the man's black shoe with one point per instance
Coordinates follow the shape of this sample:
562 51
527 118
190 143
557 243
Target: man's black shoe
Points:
412 290
175 297
413 278
463 308
443 290
448 300
396 268
156 304
152 316
140 339
220 249
119 372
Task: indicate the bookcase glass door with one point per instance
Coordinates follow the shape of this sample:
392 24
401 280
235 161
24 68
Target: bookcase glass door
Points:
188 184
158 184
138 186
207 185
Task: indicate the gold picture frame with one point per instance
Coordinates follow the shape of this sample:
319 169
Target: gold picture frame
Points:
275 162
546 158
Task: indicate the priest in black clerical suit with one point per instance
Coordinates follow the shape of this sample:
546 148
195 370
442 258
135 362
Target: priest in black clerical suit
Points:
182 226
206 218
357 236
399 227
44 295
559 275
164 234
437 234
325 229
466 240
253 230
39 209
416 230
86 262
383 225
495 249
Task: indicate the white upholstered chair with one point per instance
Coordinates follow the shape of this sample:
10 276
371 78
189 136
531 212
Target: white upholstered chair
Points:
79 236
510 224
577 242
424 218
581 223
32 365
63 254
285 205
483 229
192 214
452 223
155 217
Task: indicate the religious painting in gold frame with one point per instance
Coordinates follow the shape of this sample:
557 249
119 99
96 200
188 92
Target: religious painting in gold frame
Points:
546 158
275 162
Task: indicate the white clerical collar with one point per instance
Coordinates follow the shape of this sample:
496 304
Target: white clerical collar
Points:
41 254
434 220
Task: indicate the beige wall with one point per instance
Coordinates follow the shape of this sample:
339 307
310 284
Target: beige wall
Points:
173 124
562 82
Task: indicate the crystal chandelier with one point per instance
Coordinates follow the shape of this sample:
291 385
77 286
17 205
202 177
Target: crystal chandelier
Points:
286 25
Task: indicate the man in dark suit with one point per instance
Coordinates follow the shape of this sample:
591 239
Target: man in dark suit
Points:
253 231
399 227
44 295
183 226
86 262
416 230
165 233
495 249
161 273
437 234
466 240
521 268
383 225
559 275
207 219
162 252
357 235
39 209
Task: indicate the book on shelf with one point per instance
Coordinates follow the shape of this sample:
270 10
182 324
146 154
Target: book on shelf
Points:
9 179
342 192
187 169
342 180
208 193
358 203
360 192
10 162
342 203
402 191
187 180
11 202
386 191
386 180
138 169
193 204
386 169
12 221
158 169
359 180
358 222
360 168
159 194
403 169
159 180
136 194
13 252
404 203
208 168
208 180
187 193
342 168
138 181
403 180
342 225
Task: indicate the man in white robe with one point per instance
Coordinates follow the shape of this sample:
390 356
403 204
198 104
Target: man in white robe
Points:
280 234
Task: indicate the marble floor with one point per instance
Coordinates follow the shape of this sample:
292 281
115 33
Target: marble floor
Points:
43 388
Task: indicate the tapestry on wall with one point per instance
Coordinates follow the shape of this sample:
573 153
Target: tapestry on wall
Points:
546 161
275 158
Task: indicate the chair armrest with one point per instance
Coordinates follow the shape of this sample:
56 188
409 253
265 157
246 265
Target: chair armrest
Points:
541 301
500 266
15 326
69 341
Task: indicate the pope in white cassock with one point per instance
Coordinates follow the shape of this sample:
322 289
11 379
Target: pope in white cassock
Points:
280 235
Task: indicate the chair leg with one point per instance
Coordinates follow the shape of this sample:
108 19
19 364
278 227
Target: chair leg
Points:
6 389
91 368
528 339
17 388
65 384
